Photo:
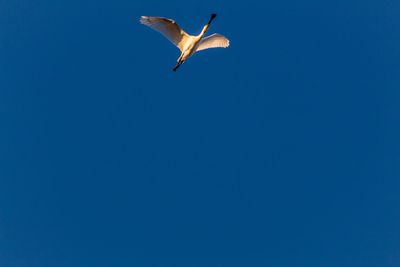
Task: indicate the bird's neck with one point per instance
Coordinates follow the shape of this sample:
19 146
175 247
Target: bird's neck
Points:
208 25
204 30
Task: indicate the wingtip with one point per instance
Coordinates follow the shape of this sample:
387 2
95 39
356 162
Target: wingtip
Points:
143 19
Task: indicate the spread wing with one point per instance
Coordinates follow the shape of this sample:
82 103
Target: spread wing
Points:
214 40
168 28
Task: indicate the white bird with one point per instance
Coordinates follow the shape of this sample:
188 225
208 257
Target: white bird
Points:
188 44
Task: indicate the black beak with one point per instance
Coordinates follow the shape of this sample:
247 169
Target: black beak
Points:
212 17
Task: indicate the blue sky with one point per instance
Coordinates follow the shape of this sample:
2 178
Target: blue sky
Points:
281 150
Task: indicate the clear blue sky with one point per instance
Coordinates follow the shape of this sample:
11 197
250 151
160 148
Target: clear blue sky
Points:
281 150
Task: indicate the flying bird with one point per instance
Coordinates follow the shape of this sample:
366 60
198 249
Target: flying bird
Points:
188 44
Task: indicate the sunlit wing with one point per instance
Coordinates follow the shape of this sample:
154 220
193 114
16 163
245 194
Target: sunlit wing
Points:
214 40
168 28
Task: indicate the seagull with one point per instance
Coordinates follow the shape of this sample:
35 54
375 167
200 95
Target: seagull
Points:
188 44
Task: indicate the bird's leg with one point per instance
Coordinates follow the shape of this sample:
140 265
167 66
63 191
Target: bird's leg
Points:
180 62
177 66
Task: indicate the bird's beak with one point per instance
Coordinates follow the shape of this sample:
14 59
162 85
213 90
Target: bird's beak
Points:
212 17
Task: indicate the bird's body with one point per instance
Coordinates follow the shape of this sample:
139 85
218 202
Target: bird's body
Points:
188 44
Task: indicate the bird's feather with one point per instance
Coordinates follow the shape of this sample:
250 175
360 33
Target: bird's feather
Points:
168 28
214 40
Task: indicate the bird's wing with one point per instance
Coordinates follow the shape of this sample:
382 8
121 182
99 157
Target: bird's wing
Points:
214 40
168 28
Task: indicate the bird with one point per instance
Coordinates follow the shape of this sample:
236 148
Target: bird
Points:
188 44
